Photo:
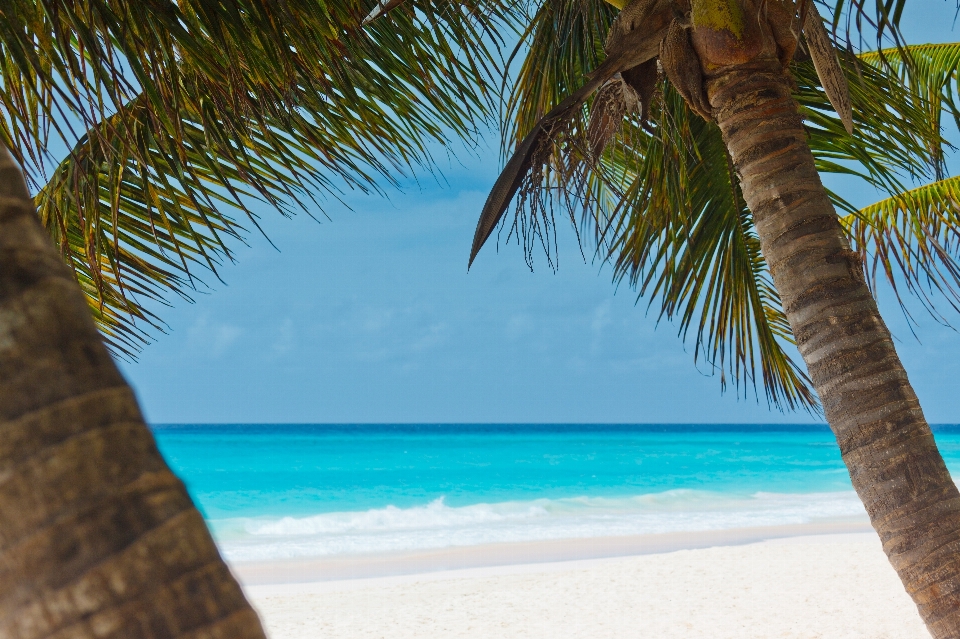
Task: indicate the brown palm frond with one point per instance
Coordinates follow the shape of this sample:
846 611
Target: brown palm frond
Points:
628 50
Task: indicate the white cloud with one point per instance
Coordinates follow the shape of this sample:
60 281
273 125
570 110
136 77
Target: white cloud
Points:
601 320
601 317
519 325
435 335
213 337
378 320
285 338
224 336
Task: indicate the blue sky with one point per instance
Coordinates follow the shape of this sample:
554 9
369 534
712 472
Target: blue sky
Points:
372 317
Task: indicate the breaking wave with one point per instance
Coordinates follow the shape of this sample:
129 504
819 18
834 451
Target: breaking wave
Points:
437 525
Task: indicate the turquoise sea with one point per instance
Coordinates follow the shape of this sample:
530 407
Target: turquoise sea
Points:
283 491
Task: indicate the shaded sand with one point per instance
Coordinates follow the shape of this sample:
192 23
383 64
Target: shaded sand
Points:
837 586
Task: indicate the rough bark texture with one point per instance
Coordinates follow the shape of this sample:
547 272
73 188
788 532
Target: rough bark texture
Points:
97 537
884 439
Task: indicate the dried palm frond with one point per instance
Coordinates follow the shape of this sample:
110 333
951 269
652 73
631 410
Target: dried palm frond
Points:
613 102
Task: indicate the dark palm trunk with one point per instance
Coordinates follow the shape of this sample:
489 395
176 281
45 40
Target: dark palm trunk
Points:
97 537
885 441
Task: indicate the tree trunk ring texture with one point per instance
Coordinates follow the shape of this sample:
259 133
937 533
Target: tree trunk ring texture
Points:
98 538
884 439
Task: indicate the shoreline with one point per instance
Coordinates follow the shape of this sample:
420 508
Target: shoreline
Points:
558 568
518 554
833 584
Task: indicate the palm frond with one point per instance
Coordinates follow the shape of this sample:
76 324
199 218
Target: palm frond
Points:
858 19
909 237
913 238
563 42
681 234
665 209
181 116
882 151
931 72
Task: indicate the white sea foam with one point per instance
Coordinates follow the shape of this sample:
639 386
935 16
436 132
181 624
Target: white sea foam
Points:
436 524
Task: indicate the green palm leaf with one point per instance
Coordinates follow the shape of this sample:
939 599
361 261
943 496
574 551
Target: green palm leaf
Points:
882 151
914 238
663 209
183 117
931 71
682 235
910 237
856 19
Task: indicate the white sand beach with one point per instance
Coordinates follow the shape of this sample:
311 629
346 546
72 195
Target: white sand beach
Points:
835 584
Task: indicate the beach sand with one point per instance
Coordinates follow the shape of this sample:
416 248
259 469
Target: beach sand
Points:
836 585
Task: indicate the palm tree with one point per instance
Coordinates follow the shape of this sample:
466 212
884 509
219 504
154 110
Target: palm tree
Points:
710 196
185 111
97 536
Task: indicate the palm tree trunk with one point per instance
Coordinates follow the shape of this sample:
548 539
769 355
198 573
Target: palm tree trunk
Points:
97 537
884 439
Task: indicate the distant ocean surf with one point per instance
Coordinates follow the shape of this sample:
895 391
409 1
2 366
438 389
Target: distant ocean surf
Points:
279 491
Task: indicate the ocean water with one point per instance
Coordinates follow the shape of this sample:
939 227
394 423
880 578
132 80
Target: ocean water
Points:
286 491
